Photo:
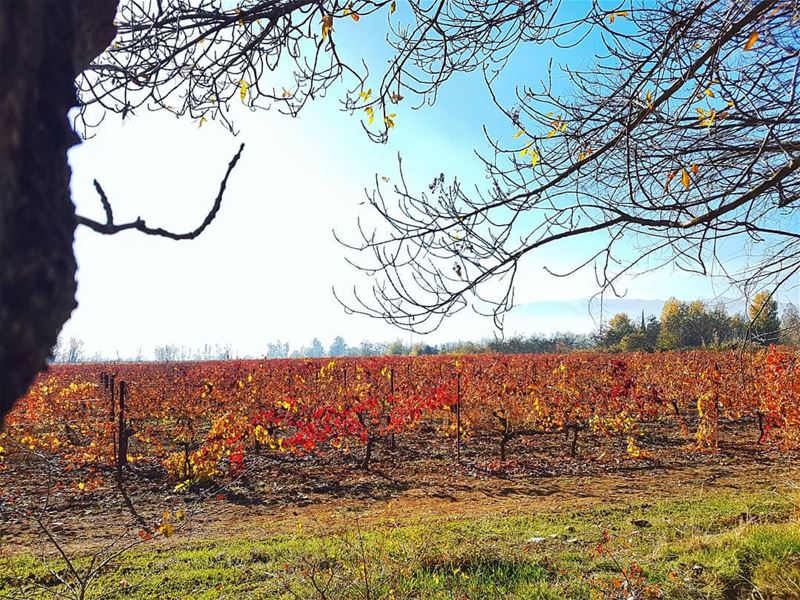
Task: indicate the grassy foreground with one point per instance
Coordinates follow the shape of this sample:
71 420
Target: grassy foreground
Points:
745 545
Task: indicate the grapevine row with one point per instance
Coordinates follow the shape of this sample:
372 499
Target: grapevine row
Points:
201 420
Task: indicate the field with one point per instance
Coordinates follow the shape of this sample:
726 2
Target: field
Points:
583 475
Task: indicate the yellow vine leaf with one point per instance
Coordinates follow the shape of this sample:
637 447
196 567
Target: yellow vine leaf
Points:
534 158
243 87
709 92
166 529
327 25
751 41
370 114
648 97
520 133
365 95
389 120
392 7
201 121
633 450
695 169
286 93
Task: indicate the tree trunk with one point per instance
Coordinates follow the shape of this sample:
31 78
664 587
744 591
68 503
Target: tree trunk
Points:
43 46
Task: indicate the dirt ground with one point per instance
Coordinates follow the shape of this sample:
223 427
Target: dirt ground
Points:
418 480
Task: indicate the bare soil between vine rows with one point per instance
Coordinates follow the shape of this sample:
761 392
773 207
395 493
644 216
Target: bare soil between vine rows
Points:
419 480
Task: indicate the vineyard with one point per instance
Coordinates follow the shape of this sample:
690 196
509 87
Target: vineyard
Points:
99 459
205 422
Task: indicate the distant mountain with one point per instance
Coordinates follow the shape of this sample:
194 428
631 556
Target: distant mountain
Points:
584 315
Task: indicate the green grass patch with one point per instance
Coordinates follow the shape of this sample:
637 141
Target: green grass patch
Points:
741 546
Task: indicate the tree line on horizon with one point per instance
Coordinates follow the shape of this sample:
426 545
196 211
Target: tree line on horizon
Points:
681 325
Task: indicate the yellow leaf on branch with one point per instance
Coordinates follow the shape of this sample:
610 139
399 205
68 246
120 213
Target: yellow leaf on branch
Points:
614 15
751 41
685 180
670 177
243 87
707 117
327 25
370 114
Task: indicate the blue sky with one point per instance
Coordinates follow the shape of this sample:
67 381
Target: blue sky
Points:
264 269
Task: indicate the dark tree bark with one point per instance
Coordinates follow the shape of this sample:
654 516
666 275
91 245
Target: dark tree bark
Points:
43 47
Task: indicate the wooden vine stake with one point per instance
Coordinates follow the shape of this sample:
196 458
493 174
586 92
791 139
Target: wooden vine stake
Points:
122 432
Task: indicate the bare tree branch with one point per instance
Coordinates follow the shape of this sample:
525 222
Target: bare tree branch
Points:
110 228
677 145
